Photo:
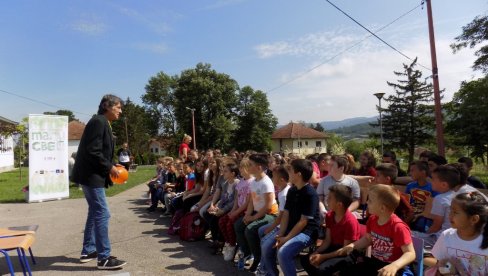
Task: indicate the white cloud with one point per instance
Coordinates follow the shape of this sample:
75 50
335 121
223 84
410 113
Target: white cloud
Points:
157 48
344 87
320 44
89 24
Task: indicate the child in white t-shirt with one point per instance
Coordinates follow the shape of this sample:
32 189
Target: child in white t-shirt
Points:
464 247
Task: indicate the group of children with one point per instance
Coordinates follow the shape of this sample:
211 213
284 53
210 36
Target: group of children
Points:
267 212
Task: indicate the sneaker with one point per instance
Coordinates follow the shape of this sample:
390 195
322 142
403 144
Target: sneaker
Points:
88 257
110 263
249 259
260 272
254 266
229 253
151 209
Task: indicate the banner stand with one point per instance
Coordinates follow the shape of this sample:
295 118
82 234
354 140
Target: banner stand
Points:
48 158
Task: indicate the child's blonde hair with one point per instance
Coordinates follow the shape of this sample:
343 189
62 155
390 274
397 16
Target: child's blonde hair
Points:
387 195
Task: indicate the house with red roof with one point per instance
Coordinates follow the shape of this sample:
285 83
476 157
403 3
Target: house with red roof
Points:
299 139
75 131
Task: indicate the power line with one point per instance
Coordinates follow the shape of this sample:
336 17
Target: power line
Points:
343 51
41 102
373 34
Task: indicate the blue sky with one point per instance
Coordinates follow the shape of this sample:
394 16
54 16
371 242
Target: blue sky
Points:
70 53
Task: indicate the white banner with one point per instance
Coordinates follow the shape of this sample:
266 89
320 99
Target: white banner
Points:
48 157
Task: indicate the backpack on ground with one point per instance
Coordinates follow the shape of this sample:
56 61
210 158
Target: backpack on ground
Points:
192 227
174 227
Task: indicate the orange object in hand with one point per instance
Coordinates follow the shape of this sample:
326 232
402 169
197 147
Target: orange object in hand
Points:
123 175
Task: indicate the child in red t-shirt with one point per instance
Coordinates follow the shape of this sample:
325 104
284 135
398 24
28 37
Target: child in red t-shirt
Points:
388 235
342 228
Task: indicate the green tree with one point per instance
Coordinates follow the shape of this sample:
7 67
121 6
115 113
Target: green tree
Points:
213 97
255 121
474 33
159 103
467 117
64 112
408 120
138 122
318 127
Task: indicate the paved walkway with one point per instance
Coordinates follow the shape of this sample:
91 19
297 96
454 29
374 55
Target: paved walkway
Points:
137 236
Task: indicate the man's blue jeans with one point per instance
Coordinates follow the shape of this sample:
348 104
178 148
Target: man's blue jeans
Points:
96 228
286 254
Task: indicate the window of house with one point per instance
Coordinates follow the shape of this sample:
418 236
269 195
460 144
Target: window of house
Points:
299 143
318 144
152 150
306 143
156 150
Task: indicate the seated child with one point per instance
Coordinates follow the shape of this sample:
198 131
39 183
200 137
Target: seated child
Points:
389 237
471 179
420 190
224 205
342 228
465 245
386 174
261 210
338 167
241 200
267 233
444 179
299 223
174 190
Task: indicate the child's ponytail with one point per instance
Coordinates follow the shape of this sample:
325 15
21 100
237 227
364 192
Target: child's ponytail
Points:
473 203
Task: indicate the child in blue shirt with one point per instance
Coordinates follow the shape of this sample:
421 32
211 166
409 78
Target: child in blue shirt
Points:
420 192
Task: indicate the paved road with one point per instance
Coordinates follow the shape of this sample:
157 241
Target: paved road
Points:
138 237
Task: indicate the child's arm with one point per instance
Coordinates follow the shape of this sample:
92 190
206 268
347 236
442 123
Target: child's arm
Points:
354 205
275 223
360 244
268 204
242 208
294 231
436 224
407 257
325 244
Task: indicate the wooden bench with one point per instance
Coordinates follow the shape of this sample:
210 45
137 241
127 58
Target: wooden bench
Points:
133 168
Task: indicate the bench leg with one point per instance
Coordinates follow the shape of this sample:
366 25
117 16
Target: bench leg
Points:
9 263
32 256
21 261
26 262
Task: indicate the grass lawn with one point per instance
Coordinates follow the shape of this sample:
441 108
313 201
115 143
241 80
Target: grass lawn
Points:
481 172
11 185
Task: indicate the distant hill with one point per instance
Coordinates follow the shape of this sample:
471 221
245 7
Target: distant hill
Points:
332 125
359 131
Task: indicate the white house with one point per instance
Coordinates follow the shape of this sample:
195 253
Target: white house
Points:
299 139
6 147
159 146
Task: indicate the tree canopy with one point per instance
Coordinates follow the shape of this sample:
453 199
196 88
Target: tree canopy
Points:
474 33
408 119
225 115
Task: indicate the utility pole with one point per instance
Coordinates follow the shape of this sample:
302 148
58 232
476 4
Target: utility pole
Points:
435 79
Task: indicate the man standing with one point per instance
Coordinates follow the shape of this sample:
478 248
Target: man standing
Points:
92 170
124 156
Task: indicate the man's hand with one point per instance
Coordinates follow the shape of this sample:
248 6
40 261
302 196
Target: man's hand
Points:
114 172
